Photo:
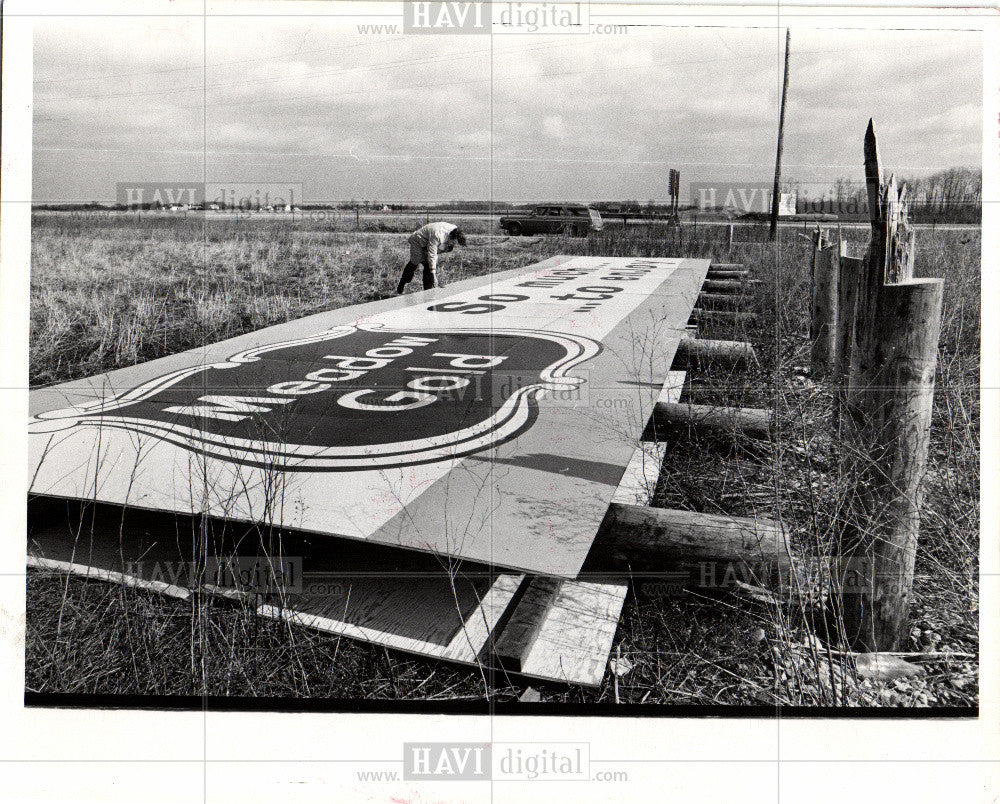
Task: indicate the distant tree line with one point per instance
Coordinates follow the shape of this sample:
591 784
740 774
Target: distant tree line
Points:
954 195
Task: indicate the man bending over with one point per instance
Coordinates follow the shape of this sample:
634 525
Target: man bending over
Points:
425 245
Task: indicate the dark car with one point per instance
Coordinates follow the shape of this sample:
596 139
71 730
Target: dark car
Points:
571 219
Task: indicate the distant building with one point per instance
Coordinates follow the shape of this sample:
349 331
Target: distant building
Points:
786 204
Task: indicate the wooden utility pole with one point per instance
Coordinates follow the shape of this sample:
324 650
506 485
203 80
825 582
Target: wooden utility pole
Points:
886 419
775 194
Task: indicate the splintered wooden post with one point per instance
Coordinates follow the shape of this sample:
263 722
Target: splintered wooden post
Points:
899 236
823 329
873 178
885 420
883 515
872 273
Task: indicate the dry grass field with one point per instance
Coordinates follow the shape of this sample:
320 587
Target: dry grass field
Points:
108 292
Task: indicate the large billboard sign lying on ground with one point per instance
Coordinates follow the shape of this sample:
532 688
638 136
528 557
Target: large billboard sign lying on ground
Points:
489 420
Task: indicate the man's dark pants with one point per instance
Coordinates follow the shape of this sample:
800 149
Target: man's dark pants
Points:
430 279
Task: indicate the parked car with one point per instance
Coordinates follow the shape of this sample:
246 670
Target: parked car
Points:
571 219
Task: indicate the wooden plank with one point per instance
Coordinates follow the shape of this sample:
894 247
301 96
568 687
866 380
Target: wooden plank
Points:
641 474
463 647
518 636
571 645
572 637
404 601
277 440
575 638
107 576
643 471
578 646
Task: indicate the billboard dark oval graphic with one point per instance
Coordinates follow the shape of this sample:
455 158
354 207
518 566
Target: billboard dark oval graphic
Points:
351 398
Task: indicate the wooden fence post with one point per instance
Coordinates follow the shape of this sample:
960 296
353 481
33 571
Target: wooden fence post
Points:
883 515
886 422
849 274
823 319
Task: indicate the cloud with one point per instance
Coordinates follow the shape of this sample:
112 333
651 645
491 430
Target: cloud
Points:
426 117
553 127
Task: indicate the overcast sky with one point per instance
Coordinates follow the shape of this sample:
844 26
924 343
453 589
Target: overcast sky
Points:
525 118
